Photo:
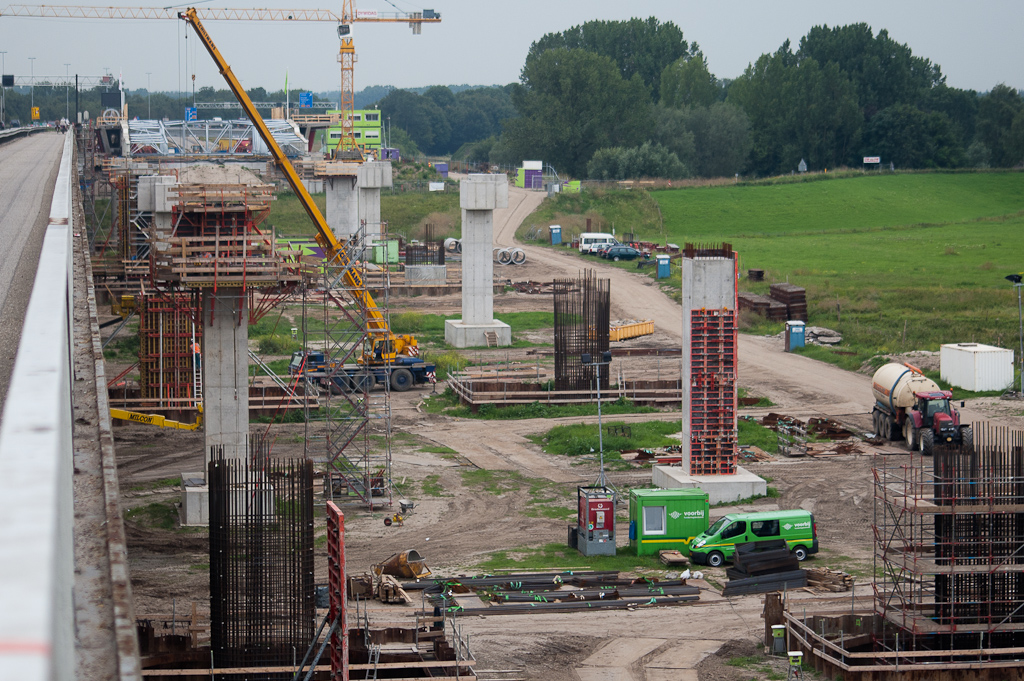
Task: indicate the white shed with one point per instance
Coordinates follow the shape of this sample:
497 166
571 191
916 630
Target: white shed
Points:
976 367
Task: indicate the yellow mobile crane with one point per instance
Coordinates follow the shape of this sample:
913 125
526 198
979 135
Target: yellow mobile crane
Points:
386 345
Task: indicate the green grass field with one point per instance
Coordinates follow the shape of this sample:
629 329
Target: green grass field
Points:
895 262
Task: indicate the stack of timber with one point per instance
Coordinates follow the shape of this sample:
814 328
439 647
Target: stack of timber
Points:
552 592
390 591
830 580
672 558
794 298
762 305
760 567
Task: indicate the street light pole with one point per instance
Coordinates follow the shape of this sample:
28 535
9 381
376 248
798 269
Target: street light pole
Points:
67 91
3 90
32 96
606 359
149 97
1018 282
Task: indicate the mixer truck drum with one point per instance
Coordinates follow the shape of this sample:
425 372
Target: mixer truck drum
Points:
518 256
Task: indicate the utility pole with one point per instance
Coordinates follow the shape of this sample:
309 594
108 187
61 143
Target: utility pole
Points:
587 361
32 97
67 91
149 97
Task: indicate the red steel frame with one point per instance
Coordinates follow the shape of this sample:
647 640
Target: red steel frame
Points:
336 588
713 392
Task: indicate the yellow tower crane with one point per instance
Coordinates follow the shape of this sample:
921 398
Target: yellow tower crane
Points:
347 148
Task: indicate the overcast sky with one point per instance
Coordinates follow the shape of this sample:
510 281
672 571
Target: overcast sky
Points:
978 44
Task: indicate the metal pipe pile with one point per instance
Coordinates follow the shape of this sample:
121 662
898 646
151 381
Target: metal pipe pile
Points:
528 592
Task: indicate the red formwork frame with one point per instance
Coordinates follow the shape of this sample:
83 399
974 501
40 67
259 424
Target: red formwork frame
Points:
336 587
713 392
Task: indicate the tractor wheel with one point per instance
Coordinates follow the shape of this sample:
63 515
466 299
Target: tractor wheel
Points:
927 442
967 438
876 419
401 380
911 434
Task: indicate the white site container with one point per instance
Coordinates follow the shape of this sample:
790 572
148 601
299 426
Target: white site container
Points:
976 367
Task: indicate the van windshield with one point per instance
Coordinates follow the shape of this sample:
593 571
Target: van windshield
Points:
718 526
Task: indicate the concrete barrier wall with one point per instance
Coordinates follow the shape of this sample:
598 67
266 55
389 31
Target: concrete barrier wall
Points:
36 549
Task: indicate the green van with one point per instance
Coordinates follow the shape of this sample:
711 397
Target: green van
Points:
718 543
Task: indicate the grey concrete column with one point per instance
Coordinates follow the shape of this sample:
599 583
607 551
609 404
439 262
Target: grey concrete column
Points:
342 205
479 195
370 179
225 365
708 283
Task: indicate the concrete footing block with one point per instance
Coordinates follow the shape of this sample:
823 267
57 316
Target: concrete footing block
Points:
195 500
720 488
462 335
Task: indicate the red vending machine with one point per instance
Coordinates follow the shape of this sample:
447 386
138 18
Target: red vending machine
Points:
594 532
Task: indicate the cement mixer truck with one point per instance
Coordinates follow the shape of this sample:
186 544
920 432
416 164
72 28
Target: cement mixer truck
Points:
910 406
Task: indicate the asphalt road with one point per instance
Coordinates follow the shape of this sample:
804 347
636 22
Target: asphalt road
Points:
28 170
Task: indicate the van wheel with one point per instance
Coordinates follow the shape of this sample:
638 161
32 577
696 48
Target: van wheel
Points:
715 559
800 552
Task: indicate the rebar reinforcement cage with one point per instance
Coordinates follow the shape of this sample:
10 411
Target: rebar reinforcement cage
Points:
949 544
581 327
262 600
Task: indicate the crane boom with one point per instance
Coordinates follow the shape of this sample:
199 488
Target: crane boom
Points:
214 14
334 250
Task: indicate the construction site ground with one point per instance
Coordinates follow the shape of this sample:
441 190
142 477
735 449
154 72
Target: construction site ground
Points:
459 520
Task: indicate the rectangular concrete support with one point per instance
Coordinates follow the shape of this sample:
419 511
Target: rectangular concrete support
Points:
479 196
709 283
225 365
720 488
371 178
342 205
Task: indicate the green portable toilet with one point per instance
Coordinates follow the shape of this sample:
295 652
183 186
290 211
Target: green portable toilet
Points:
666 519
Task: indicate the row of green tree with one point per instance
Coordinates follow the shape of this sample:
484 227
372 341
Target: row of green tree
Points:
612 99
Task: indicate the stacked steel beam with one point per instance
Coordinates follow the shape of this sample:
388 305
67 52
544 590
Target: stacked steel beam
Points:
581 327
262 605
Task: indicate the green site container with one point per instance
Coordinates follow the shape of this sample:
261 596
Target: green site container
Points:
666 519
385 253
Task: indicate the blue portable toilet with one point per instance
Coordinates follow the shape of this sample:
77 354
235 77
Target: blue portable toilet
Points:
664 266
795 335
556 234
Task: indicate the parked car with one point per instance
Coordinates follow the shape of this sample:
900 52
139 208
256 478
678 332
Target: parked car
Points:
15 123
617 253
599 249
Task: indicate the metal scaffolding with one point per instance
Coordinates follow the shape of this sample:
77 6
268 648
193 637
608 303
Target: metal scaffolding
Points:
351 433
262 596
581 327
167 332
949 544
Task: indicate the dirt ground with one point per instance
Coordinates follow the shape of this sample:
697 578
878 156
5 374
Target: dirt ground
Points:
459 522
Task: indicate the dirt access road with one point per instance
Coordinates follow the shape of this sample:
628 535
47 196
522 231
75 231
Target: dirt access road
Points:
792 382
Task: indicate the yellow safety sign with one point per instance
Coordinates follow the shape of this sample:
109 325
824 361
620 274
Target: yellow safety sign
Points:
35 113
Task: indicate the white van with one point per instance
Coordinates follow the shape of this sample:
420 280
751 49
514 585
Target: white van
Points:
589 240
